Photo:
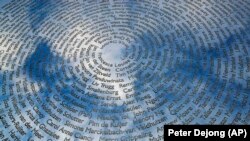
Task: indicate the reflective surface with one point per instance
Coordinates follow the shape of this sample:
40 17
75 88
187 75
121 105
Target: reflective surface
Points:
120 70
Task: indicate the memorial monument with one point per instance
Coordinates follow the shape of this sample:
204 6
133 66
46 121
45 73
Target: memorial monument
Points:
119 70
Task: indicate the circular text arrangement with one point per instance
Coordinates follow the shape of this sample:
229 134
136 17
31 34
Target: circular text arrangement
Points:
118 70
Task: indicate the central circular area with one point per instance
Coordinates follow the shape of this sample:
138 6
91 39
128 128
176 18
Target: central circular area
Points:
114 53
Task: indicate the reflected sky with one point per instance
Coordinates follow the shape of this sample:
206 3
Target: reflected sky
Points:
187 63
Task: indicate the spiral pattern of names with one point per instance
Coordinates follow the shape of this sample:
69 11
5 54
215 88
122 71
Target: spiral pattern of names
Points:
118 70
